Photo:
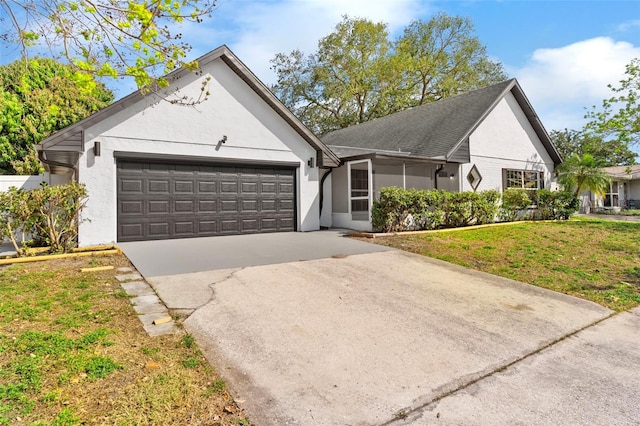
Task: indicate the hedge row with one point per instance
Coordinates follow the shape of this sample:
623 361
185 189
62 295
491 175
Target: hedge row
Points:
402 210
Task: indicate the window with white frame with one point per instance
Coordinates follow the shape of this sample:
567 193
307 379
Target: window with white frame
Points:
523 179
612 198
359 190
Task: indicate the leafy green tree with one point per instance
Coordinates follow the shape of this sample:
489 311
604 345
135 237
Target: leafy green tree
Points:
38 99
114 38
583 172
358 73
442 58
611 152
619 117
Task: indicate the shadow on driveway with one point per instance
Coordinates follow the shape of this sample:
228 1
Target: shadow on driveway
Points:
170 257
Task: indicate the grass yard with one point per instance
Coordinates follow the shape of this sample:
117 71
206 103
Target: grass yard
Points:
594 260
72 351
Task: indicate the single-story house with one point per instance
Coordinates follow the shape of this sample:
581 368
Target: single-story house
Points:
241 162
624 189
485 139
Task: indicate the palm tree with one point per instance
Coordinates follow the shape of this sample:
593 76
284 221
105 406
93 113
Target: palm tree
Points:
580 173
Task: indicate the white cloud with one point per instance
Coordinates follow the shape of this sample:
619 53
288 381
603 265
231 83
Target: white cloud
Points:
561 82
632 25
272 27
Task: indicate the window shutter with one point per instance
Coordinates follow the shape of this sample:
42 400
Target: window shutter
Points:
504 179
541 177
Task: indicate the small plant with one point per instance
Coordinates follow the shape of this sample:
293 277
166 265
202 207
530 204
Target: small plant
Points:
99 367
188 341
190 363
218 386
514 201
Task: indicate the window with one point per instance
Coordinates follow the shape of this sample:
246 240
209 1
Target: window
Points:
359 190
612 198
523 179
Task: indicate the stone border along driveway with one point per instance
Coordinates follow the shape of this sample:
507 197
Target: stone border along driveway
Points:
152 312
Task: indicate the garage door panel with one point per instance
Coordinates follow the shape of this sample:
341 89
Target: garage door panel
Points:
206 206
160 201
228 206
158 229
184 228
158 207
268 205
287 224
249 206
184 206
131 207
207 187
131 186
228 187
268 188
248 188
209 227
158 186
229 226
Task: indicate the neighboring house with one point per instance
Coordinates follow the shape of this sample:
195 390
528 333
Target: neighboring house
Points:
239 162
624 190
486 139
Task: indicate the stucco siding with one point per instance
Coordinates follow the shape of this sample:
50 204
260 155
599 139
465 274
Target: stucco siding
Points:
634 190
255 132
505 139
385 175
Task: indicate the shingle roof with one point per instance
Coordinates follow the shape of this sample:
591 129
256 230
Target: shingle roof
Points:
624 172
437 129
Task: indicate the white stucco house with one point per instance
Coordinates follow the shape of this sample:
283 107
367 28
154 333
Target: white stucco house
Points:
485 139
240 162
623 193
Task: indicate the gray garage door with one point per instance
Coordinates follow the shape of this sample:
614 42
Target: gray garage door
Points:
161 201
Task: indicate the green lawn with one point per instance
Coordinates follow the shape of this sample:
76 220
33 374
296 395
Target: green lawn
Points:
591 259
73 352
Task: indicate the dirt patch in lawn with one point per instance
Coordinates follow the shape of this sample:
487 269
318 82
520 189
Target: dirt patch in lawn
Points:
73 351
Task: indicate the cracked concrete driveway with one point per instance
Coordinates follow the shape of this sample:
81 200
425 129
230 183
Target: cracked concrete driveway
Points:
395 338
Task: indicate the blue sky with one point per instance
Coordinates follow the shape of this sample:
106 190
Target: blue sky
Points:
563 53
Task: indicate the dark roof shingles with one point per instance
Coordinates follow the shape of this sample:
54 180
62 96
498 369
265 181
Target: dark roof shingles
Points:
430 130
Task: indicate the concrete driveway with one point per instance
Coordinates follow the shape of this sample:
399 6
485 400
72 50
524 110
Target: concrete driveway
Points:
388 337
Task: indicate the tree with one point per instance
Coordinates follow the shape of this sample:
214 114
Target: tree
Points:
115 38
619 117
583 172
358 73
442 59
37 99
612 152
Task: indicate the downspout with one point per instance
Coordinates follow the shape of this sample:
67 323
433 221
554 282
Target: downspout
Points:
435 176
73 168
324 177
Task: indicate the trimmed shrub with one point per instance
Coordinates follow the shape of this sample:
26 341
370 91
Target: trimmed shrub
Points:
514 203
405 210
401 210
557 205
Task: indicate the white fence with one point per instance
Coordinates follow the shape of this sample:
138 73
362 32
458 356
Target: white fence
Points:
21 182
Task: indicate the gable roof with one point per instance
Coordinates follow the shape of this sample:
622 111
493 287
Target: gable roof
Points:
70 139
436 130
623 172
